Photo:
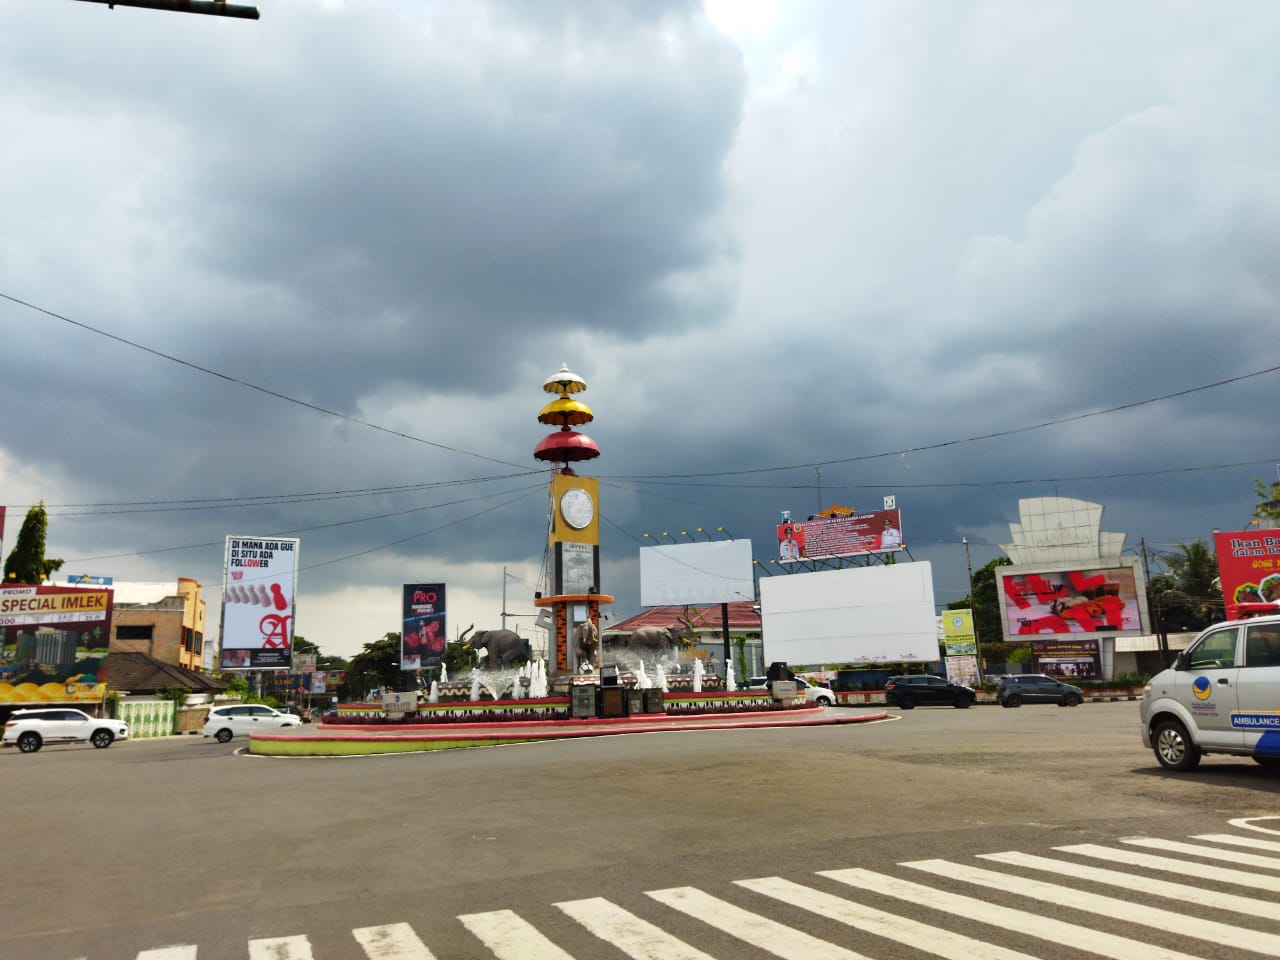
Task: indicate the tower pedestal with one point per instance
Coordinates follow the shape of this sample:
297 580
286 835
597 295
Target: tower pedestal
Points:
563 658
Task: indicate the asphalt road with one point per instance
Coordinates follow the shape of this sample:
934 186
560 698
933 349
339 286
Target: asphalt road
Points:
108 853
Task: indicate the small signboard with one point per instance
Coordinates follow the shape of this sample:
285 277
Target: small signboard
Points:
404 702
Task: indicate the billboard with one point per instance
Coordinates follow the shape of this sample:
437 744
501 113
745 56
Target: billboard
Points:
1068 659
879 531
957 632
718 571
53 644
1072 601
423 635
881 614
259 583
1249 566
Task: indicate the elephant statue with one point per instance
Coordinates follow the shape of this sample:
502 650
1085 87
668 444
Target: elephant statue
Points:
505 647
657 640
586 641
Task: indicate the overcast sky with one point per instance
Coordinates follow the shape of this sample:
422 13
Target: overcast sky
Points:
802 254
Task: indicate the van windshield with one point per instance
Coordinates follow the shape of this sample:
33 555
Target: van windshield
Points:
1217 649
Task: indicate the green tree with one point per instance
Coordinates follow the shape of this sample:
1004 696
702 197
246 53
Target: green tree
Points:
377 665
985 603
459 659
27 562
1268 508
1188 597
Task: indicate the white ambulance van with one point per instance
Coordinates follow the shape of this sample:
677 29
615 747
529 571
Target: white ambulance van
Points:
1222 695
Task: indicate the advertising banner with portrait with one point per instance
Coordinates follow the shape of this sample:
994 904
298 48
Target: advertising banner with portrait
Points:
1249 566
53 644
259 583
1109 600
423 635
879 531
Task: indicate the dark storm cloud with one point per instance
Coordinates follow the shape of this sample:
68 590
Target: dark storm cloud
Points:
858 229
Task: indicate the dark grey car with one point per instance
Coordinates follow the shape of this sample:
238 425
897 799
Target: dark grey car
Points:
1014 691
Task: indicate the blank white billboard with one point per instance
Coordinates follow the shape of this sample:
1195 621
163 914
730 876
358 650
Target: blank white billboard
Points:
881 614
718 571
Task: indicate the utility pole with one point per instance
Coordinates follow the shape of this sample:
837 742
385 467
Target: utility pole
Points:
504 597
973 608
818 473
1157 622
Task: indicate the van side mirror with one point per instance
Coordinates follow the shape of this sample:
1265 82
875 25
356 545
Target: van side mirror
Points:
1180 661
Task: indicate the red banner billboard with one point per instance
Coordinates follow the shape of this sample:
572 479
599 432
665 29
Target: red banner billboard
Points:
879 531
1104 600
1249 566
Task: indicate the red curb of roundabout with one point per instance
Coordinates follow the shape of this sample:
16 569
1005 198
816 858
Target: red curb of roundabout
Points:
569 729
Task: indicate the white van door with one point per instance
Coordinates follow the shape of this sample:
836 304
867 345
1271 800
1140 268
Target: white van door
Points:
1258 690
1207 686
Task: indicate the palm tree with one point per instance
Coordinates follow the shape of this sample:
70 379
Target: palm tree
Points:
1189 596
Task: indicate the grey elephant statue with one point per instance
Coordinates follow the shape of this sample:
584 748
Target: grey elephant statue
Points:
586 641
659 640
506 648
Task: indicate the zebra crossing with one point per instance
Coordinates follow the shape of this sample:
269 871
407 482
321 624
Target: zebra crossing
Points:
1237 877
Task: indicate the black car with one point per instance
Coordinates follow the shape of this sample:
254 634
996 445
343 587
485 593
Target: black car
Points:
1014 691
924 690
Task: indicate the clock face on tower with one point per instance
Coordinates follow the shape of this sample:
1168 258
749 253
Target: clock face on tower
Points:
577 508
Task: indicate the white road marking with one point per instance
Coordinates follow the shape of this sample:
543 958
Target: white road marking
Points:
911 933
1251 823
185 951
1007 918
768 935
1241 878
1222 934
1182 892
394 941
626 932
510 937
1230 856
1232 840
280 948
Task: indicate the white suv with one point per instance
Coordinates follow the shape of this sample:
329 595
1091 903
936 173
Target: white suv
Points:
227 722
32 729
824 696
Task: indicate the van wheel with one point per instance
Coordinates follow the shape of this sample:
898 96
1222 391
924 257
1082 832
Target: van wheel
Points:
962 702
29 742
1268 763
223 735
907 703
1173 748
102 739
1013 700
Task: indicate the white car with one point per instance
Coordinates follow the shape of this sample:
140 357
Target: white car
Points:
32 729
824 696
227 722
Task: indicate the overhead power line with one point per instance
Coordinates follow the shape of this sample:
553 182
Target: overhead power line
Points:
982 436
260 389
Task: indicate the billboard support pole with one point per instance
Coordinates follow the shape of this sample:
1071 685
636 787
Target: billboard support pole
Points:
724 626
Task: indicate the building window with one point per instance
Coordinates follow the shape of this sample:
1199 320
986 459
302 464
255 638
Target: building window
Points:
134 631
